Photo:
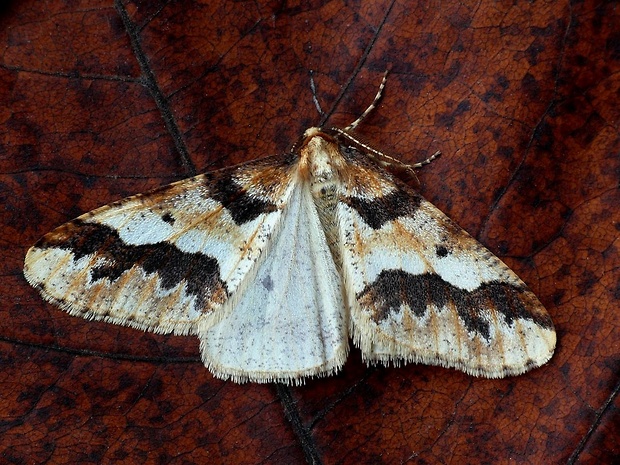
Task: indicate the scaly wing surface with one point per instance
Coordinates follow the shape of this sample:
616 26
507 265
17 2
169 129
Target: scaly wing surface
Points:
237 257
165 260
290 322
421 289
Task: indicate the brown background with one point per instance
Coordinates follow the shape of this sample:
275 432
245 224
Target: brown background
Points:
99 100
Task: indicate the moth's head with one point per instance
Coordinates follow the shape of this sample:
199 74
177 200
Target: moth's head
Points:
311 132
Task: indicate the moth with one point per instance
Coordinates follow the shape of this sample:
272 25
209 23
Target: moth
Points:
275 264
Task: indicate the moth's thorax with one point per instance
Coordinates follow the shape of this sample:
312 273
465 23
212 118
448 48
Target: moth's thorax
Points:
321 160
323 164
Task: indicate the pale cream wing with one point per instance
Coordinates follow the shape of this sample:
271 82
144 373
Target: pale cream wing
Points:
168 259
421 289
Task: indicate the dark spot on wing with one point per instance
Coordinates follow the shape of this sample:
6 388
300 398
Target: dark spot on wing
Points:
168 218
267 283
441 251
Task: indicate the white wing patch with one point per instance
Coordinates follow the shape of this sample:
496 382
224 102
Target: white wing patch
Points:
275 264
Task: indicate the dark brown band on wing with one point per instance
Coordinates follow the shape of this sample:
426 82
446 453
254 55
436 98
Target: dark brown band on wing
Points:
201 273
241 205
380 210
395 287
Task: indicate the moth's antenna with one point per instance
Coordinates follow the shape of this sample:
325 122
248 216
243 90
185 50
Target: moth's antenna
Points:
314 97
420 164
371 107
380 157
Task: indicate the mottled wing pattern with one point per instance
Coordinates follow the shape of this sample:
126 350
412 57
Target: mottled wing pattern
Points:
421 289
167 259
273 264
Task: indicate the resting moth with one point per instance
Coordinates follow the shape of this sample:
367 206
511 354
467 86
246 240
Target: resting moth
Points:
276 263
